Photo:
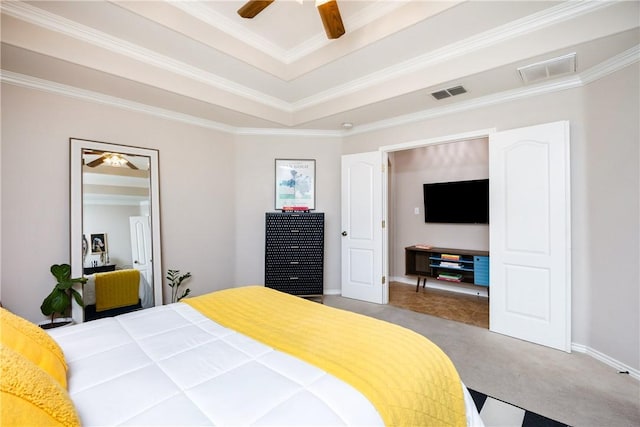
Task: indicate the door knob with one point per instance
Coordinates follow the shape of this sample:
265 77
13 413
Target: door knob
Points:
344 233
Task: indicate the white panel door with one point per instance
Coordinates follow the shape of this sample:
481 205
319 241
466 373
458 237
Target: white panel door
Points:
140 229
530 234
362 251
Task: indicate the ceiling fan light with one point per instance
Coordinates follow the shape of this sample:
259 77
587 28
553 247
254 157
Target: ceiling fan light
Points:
115 160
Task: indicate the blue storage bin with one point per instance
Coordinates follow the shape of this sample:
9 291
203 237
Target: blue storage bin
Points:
481 270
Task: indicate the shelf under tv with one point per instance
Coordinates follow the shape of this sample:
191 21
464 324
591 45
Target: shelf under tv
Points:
447 265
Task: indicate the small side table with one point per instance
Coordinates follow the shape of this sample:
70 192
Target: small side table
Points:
99 269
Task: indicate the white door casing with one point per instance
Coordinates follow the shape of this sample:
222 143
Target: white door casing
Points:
530 234
140 229
362 229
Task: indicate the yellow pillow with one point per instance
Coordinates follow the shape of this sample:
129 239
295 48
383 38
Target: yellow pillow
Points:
33 343
30 396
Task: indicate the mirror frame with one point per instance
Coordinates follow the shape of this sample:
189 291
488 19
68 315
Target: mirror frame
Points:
77 147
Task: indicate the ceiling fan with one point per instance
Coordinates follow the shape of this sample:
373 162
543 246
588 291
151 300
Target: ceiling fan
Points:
112 159
328 10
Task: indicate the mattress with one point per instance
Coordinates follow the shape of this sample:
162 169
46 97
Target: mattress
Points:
170 365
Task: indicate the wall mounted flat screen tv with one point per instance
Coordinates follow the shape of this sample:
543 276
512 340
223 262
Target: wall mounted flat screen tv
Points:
459 202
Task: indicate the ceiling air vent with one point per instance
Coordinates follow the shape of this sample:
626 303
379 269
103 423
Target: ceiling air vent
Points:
446 93
550 68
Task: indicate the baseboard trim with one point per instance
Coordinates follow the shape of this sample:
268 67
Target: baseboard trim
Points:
607 360
470 290
579 348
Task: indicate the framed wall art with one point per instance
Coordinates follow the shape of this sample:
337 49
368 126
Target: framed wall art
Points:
98 243
295 184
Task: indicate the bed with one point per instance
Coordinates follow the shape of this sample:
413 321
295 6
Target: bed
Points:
244 356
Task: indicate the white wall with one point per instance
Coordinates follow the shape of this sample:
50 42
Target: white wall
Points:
216 187
612 188
196 192
113 220
604 173
255 178
410 169
214 191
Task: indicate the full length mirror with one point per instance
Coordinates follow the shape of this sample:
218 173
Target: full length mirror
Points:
115 228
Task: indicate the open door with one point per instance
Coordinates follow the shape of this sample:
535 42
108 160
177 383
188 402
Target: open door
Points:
530 234
362 228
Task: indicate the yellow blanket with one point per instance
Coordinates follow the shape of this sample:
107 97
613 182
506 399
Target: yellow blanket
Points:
117 289
29 396
405 376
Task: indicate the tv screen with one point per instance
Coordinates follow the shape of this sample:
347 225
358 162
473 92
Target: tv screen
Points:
459 202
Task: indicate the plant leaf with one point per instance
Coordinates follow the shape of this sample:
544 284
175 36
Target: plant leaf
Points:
62 272
77 297
184 294
46 308
56 302
59 300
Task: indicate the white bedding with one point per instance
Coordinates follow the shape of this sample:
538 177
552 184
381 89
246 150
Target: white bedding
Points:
170 365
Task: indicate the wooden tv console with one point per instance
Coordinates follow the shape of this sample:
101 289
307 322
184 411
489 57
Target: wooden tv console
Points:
447 265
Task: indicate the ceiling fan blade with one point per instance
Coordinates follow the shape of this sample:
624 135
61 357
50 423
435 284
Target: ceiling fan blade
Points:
331 19
131 165
253 7
96 162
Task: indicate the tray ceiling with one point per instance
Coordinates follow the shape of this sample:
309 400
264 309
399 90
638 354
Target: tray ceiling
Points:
201 60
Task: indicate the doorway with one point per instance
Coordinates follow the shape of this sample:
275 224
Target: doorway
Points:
454 160
529 262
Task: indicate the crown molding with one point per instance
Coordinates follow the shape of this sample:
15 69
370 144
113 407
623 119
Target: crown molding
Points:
375 11
289 132
472 104
534 22
519 27
29 82
209 16
22 80
611 65
616 63
56 23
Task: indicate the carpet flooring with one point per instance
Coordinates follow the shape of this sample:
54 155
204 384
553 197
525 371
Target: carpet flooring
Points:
495 412
474 311
574 388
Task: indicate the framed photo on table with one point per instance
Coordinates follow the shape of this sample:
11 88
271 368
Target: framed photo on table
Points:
295 183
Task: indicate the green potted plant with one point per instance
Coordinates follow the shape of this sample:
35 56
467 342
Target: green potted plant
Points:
175 280
59 300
